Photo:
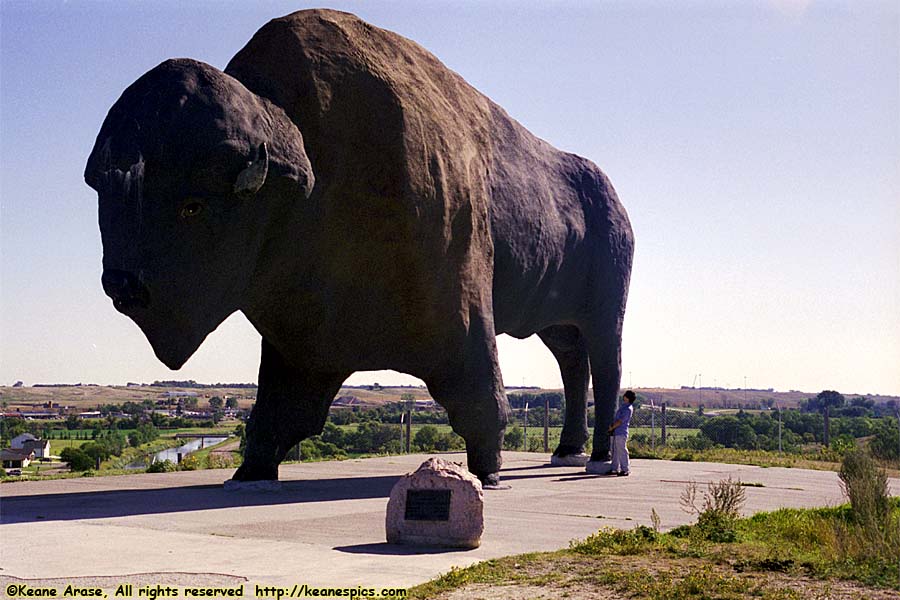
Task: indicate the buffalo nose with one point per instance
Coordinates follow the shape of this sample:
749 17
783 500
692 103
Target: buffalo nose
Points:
125 289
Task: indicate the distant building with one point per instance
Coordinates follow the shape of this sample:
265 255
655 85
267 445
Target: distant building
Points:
30 445
346 401
16 459
18 442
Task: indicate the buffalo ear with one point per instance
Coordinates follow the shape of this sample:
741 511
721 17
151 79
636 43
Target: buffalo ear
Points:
251 179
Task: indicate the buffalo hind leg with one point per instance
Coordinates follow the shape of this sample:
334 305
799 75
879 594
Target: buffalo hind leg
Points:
569 348
470 387
291 405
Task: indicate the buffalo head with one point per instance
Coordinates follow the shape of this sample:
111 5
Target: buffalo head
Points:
191 169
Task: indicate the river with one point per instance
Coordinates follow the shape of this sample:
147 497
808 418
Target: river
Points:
172 453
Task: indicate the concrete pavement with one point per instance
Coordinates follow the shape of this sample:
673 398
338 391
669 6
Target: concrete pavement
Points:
326 526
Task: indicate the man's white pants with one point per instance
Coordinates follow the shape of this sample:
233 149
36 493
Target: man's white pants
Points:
620 454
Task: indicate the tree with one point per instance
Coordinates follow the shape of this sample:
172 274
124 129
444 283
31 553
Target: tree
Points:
76 458
332 434
426 438
825 400
231 402
730 432
215 403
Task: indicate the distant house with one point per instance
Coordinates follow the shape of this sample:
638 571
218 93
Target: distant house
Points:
40 448
18 442
29 444
16 459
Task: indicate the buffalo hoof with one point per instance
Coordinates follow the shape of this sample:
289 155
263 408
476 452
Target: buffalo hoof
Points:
564 450
491 481
261 485
257 471
599 457
570 460
598 467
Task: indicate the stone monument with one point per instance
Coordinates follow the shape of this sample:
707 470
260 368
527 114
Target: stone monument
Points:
439 504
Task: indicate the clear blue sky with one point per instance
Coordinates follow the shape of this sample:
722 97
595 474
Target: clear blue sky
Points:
755 145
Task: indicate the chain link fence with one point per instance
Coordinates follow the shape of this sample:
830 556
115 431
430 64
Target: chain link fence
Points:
658 429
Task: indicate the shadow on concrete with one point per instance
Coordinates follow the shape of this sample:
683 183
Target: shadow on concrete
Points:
123 503
385 549
531 468
580 474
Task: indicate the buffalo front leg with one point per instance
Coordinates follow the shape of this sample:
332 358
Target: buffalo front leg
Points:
470 387
291 405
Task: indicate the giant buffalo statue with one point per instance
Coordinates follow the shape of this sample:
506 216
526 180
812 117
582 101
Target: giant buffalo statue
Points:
366 209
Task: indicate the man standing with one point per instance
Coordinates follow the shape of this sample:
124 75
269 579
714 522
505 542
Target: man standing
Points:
619 431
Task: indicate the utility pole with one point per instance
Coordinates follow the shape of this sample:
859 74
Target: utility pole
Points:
779 429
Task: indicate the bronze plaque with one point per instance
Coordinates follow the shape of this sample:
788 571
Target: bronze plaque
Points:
427 505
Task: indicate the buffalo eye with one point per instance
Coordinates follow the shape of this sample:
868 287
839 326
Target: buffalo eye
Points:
191 209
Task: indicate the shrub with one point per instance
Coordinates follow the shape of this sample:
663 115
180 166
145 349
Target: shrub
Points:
865 485
617 541
220 460
719 511
76 458
189 463
316 449
535 444
426 437
513 439
162 466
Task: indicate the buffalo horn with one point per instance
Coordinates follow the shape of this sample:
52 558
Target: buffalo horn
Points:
254 176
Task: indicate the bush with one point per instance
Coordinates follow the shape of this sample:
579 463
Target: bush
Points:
886 445
535 444
162 466
77 459
617 541
189 463
220 460
315 448
372 437
513 439
426 437
865 485
720 509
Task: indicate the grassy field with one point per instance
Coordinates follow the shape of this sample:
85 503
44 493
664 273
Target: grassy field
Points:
88 397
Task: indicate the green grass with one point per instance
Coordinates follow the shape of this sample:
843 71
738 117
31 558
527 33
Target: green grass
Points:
771 557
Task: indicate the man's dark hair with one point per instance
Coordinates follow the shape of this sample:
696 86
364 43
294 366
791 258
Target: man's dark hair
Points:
630 395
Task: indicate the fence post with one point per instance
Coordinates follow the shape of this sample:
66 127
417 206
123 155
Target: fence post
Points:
662 425
525 439
408 430
546 424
